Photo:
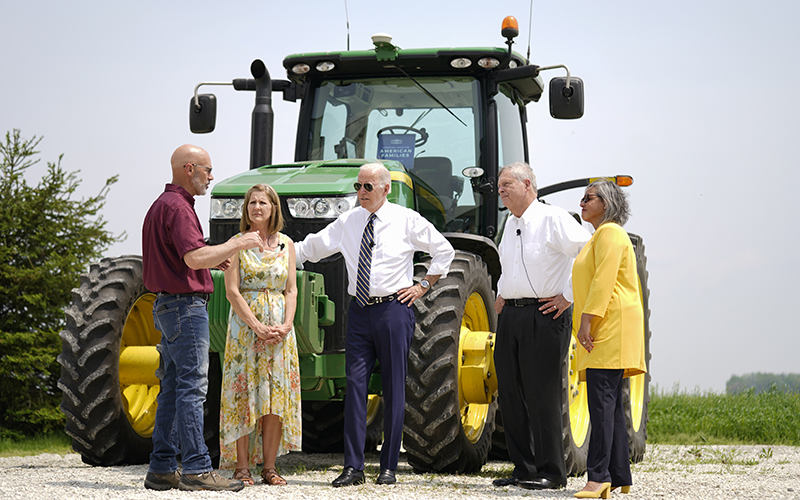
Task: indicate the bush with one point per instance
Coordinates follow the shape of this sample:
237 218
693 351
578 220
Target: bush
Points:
28 384
770 417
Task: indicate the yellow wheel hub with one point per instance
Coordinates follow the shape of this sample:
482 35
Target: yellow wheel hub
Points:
138 361
477 379
578 405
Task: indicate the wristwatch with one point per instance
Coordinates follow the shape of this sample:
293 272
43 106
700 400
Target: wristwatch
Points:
425 284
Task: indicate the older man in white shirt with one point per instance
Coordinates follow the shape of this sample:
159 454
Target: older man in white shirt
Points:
378 241
534 301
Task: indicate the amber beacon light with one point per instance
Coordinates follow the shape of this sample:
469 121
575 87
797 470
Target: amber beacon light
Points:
510 27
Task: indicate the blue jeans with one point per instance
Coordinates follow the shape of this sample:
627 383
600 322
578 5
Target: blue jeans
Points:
183 323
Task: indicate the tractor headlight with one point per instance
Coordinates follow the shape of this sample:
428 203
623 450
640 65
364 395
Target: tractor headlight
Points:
226 208
320 208
488 62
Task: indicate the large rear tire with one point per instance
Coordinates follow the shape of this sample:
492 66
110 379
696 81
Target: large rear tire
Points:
108 362
636 390
106 429
442 432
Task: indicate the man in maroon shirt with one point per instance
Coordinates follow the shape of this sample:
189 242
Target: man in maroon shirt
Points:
176 266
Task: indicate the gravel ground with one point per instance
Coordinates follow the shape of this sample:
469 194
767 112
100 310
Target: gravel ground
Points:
684 472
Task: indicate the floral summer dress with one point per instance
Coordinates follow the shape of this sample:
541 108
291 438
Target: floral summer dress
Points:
260 379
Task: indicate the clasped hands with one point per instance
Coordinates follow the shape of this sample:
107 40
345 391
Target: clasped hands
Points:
272 334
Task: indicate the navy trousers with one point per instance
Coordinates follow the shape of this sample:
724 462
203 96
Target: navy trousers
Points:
530 349
383 332
608 459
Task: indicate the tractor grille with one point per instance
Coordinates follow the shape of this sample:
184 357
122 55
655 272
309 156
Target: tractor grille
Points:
332 269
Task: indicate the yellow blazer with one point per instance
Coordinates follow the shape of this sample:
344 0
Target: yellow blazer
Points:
605 283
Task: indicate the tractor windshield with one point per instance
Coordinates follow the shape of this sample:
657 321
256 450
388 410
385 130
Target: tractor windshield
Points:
431 126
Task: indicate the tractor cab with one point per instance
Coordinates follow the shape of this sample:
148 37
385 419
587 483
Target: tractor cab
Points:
435 138
452 117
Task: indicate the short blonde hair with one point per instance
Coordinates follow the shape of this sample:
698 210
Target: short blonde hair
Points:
275 217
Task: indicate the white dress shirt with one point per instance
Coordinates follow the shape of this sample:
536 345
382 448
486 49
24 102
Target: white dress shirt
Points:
537 251
399 232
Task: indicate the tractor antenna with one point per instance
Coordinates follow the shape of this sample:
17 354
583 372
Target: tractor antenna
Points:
530 28
347 20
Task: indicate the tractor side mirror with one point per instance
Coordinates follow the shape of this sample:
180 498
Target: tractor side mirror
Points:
203 113
566 103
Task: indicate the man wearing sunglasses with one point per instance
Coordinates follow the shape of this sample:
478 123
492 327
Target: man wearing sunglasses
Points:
378 241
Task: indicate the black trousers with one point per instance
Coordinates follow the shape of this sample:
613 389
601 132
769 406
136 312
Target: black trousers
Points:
608 459
528 357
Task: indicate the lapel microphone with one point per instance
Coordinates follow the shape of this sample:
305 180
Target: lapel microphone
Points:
519 232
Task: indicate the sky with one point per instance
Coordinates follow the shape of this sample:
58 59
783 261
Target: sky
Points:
697 100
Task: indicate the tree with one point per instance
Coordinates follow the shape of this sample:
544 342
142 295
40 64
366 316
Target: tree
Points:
47 238
763 382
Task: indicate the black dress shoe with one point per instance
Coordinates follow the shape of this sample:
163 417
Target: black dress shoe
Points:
506 481
349 477
386 477
541 483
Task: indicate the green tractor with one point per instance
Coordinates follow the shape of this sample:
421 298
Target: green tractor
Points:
443 121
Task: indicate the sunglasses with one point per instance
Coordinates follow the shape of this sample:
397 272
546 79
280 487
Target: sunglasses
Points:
367 186
588 198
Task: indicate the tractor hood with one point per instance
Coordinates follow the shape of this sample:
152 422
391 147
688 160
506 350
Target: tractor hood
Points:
295 179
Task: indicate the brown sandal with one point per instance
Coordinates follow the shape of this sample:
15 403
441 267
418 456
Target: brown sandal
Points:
272 478
244 476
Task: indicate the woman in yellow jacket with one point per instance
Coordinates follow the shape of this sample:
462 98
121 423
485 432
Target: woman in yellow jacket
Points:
608 310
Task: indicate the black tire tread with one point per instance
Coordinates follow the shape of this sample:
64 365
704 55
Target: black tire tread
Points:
433 435
91 401
637 440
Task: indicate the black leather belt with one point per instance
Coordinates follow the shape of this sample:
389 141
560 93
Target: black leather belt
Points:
379 300
522 302
204 296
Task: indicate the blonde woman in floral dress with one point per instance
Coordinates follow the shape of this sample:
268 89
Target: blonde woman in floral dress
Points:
260 414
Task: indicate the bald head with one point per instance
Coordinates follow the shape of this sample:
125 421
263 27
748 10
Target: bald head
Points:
191 169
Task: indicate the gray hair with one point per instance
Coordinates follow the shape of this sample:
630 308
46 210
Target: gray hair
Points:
520 171
615 200
380 169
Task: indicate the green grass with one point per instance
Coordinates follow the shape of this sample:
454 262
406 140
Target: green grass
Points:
769 418
56 442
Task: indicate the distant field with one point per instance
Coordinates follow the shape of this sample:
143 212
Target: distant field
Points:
769 418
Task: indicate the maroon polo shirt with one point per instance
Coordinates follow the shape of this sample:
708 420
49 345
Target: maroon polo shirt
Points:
171 229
